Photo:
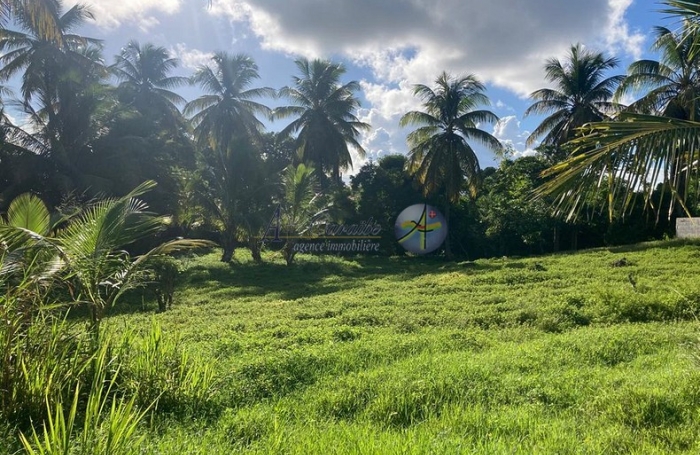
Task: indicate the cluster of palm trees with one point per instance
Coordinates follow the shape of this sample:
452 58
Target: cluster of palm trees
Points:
645 152
603 154
85 137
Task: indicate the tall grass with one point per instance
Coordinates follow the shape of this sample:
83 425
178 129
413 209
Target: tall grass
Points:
63 396
160 371
109 419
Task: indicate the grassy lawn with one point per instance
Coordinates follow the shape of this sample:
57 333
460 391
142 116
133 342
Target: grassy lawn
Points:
594 352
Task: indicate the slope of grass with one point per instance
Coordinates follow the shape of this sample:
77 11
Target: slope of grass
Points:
593 352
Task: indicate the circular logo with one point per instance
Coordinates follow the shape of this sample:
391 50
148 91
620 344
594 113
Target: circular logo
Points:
420 228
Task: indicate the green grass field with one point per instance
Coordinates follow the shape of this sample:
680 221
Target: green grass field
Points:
593 352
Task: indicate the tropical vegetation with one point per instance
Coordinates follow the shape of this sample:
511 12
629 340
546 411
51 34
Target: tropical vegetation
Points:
115 191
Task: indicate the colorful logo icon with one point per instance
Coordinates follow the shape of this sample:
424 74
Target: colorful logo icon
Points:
421 229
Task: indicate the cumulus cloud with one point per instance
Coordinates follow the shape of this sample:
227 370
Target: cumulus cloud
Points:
618 35
191 58
111 14
403 42
387 103
508 130
503 41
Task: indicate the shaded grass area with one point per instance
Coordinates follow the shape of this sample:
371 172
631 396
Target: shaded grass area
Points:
593 352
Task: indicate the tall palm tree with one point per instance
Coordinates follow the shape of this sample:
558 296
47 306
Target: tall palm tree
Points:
39 12
582 95
440 156
146 83
636 151
43 55
230 136
228 109
60 88
674 81
326 122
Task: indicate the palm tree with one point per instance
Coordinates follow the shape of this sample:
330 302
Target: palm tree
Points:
300 206
636 151
39 12
440 156
90 248
675 86
228 109
146 83
674 81
230 135
582 95
44 55
60 88
232 189
326 121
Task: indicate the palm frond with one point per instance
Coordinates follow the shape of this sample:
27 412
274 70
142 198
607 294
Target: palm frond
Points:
625 158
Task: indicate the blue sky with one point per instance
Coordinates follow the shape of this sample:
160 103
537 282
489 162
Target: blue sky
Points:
389 45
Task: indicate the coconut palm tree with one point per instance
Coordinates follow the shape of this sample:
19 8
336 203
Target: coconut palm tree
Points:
582 95
637 151
674 81
326 123
300 207
440 156
146 83
60 89
44 56
228 109
39 12
674 84
90 248
230 137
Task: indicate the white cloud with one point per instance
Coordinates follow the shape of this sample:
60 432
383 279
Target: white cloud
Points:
388 102
508 130
111 14
191 58
403 42
618 35
502 41
501 105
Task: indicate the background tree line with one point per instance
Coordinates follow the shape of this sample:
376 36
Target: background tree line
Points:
95 129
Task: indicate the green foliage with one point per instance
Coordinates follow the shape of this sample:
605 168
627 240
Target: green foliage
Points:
227 110
300 207
514 222
164 275
109 422
235 194
160 372
88 250
326 122
383 189
583 94
440 156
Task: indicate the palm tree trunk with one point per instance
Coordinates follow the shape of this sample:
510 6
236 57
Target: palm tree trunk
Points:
255 249
448 246
228 244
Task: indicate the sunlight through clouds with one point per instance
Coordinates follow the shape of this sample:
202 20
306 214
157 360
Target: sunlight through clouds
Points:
111 14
